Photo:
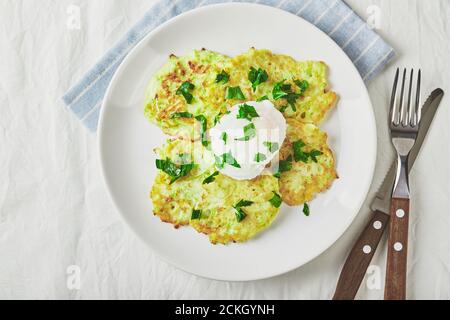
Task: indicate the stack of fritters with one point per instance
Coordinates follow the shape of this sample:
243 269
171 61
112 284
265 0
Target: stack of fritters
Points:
189 95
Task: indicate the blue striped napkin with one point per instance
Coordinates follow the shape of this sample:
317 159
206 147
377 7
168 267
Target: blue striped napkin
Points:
366 49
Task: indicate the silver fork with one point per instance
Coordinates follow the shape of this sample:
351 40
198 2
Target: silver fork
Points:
405 117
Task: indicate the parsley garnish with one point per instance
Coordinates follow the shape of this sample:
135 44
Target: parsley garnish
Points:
224 137
264 98
272 146
276 200
234 93
211 178
178 115
227 158
185 90
240 214
223 77
173 170
306 210
314 154
204 128
285 165
284 91
249 133
196 214
257 76
247 112
259 157
300 155
303 85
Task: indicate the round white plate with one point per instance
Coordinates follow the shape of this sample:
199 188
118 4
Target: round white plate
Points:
127 140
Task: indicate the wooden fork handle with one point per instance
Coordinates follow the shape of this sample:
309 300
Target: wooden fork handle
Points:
360 256
395 287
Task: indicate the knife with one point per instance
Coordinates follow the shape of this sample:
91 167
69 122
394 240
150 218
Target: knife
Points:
361 255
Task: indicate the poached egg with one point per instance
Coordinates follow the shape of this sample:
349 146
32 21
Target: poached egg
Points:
247 139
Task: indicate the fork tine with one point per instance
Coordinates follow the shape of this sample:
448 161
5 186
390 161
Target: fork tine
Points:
410 111
417 109
402 104
393 105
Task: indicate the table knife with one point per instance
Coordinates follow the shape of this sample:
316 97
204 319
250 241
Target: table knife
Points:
363 251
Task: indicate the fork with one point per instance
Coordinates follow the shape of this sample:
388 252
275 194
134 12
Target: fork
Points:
404 126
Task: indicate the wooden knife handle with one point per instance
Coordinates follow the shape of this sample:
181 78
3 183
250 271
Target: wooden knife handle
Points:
360 256
395 288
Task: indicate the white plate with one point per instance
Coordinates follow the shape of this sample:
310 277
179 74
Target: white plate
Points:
126 142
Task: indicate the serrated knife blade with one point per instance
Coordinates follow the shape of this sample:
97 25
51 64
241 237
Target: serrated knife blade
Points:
382 200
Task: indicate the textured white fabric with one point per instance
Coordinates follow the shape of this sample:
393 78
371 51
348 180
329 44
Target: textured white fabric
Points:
55 211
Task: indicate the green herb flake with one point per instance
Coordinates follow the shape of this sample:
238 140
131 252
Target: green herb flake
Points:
264 98
303 85
257 76
272 146
276 200
178 115
249 133
185 91
224 137
300 155
196 214
240 214
247 112
222 77
234 93
230 160
282 90
173 170
285 165
211 178
226 158
204 128
306 210
314 154
260 157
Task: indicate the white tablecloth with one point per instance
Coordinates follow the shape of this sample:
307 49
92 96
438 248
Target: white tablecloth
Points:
55 211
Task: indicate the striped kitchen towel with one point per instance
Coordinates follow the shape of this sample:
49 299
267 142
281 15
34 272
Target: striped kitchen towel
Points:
366 49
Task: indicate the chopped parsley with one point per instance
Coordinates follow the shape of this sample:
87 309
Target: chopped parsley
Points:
173 170
196 214
257 76
284 108
300 155
222 77
303 85
247 112
240 214
211 178
306 210
204 128
276 200
227 158
217 118
224 137
178 115
263 98
249 133
234 93
272 146
283 90
284 166
260 157
185 90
